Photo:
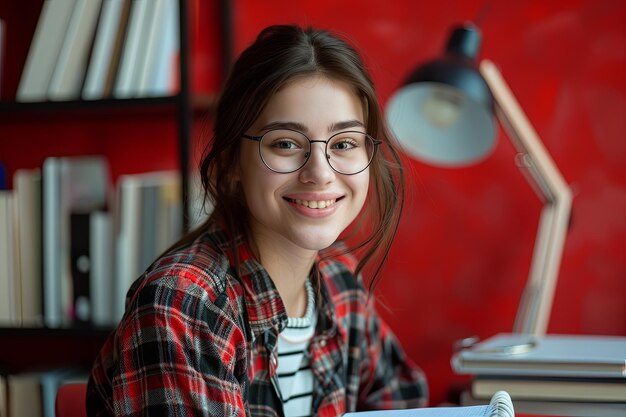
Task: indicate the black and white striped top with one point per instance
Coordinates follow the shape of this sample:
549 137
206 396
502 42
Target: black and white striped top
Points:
295 379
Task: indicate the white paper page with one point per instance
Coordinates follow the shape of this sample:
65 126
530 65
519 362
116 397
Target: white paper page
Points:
473 411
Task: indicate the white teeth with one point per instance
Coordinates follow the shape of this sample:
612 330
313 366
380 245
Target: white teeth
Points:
315 204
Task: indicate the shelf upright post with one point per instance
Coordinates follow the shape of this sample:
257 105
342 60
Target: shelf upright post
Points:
184 109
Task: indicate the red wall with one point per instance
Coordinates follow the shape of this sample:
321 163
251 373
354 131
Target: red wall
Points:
462 255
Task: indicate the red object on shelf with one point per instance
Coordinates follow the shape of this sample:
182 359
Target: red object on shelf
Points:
70 401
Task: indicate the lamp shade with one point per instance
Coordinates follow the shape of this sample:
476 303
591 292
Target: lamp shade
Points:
443 114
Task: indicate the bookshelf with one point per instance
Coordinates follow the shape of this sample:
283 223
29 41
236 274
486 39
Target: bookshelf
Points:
25 125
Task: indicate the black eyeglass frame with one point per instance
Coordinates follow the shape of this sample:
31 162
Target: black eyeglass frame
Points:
258 139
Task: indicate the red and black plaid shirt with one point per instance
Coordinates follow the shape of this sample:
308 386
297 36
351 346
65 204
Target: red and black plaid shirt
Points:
197 341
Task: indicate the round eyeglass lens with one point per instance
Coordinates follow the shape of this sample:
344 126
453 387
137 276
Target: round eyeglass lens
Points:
350 152
284 150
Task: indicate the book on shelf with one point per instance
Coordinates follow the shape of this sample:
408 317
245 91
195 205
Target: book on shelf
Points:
118 46
3 176
80 264
21 395
70 185
549 355
20 252
44 50
157 74
69 71
552 388
27 188
9 266
33 394
133 50
101 268
499 405
105 52
91 257
149 219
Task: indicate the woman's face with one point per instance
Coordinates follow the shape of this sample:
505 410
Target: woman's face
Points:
309 208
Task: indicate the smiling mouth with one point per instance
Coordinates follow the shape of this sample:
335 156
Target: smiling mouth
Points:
314 204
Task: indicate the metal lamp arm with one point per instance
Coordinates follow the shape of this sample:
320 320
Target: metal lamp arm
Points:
534 311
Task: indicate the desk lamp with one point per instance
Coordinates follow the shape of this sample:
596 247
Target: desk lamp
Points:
443 115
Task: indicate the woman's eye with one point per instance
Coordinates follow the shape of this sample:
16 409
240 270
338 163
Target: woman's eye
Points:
344 144
285 144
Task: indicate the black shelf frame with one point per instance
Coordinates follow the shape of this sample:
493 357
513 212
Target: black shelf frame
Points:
43 349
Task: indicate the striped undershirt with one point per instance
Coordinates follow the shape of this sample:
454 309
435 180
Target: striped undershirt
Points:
295 379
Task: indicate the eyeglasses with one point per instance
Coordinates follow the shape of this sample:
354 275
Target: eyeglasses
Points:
285 150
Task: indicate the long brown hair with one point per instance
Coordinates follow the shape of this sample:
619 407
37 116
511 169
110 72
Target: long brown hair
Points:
279 54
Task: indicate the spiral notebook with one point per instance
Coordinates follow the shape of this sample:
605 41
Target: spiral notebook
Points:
499 406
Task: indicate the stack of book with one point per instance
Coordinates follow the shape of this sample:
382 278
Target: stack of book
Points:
71 243
561 375
94 49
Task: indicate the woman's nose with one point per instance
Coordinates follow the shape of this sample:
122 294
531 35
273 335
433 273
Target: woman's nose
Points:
317 169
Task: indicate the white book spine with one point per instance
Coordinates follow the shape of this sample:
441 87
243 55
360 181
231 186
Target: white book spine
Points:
8 264
102 49
154 45
147 26
52 256
44 50
68 74
131 50
127 241
101 283
164 66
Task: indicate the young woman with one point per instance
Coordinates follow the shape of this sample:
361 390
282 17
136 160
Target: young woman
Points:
260 312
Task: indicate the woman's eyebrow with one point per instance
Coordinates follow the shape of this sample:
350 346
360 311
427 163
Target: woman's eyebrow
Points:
285 125
333 127
348 124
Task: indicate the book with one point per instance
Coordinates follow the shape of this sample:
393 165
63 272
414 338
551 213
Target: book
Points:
92 270
69 72
70 184
552 388
27 183
549 355
8 260
80 261
500 405
118 47
160 63
133 49
103 49
149 213
23 393
44 50
101 271
147 30
3 176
